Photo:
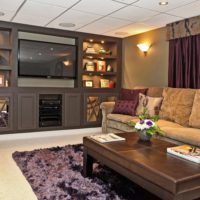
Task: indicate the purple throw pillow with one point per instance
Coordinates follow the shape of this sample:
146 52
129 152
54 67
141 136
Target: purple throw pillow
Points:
128 94
125 107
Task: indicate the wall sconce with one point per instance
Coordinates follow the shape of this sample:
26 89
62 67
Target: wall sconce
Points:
143 47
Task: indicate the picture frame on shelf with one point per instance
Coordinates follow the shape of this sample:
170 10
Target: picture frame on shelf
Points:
2 84
109 68
88 83
104 83
101 66
90 66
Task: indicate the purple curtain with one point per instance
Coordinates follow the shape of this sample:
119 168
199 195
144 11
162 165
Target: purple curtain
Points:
184 62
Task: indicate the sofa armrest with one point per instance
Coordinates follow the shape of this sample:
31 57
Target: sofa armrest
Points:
106 107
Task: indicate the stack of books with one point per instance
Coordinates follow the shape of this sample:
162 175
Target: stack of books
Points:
109 137
187 152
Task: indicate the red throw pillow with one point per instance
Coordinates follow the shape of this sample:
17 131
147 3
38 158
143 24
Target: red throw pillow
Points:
125 107
128 94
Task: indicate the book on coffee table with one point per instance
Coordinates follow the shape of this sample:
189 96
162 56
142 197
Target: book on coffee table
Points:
109 137
187 152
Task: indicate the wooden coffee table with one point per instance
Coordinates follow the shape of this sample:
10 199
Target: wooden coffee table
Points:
146 164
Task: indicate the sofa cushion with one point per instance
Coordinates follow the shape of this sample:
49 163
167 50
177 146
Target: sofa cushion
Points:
151 103
119 122
128 94
125 107
113 130
152 91
194 120
155 91
164 123
185 135
119 126
122 118
177 105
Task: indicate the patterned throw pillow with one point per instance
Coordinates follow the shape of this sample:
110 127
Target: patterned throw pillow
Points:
125 107
151 103
127 94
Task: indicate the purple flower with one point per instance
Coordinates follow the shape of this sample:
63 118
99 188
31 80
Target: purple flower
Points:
141 121
149 123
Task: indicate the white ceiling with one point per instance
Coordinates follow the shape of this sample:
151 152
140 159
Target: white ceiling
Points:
106 17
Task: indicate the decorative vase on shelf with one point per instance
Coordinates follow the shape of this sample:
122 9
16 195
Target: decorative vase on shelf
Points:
144 136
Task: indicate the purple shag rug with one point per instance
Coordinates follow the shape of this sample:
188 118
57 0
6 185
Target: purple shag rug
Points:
56 174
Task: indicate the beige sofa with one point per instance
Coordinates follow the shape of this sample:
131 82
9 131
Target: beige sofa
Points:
179 115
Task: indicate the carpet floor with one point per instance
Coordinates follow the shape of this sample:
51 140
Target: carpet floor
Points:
56 174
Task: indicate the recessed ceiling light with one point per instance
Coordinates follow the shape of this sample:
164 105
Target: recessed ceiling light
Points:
102 41
121 33
163 3
91 40
39 54
2 13
67 25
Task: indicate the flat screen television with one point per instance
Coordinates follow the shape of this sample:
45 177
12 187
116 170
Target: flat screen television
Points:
46 59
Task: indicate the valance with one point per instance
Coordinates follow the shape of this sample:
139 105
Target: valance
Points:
183 28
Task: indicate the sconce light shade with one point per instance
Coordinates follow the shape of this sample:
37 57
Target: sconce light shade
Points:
143 47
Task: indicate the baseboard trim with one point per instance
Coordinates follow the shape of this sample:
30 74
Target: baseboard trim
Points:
43 134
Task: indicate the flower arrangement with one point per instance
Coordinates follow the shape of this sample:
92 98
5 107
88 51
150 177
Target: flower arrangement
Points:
147 126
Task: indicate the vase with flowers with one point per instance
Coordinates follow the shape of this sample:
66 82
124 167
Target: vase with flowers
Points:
146 126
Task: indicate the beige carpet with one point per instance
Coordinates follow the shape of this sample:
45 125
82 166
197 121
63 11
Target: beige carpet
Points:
13 185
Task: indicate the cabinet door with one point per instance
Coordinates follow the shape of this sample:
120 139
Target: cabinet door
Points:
6 115
92 111
72 110
26 111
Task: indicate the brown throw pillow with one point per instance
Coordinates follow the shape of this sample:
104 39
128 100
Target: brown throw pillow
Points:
125 107
151 103
177 105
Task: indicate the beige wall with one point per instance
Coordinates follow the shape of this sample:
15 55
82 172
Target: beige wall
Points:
149 70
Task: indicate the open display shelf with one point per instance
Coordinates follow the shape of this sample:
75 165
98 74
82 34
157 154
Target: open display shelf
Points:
5 57
100 64
98 56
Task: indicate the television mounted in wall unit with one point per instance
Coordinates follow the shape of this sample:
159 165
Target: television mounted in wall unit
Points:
46 59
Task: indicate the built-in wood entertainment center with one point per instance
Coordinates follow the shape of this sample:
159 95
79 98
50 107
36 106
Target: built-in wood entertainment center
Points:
29 103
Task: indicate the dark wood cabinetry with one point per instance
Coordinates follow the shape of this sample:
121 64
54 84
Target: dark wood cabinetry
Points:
80 104
6 112
5 57
92 112
72 110
27 111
